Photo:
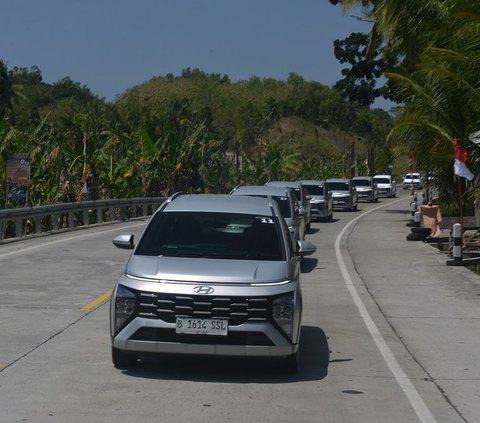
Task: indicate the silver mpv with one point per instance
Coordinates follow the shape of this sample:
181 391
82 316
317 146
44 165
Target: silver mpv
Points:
211 274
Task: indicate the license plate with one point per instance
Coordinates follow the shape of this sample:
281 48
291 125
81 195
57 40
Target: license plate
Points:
192 326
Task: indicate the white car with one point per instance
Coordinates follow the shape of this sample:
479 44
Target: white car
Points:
386 185
412 179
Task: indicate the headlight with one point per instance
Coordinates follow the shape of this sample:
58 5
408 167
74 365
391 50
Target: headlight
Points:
123 307
282 310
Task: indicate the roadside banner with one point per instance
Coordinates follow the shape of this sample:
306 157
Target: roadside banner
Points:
18 169
17 179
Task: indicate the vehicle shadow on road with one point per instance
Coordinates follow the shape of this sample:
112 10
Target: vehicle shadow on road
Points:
308 264
314 360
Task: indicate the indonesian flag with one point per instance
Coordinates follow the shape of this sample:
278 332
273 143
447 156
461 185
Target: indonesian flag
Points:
461 159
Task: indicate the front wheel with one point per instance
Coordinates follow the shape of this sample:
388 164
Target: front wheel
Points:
122 359
291 363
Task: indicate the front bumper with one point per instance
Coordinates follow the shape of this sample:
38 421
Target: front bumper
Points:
344 201
252 330
163 340
319 210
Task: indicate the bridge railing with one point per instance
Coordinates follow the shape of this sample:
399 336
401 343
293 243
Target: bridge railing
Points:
28 221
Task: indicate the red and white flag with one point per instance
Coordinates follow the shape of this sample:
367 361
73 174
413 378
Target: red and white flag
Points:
461 159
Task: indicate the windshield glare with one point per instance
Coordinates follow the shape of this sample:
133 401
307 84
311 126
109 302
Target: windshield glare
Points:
212 235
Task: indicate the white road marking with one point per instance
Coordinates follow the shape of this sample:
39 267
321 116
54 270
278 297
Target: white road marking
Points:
423 412
59 241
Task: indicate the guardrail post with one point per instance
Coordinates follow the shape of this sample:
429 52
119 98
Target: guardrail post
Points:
111 211
99 215
55 218
86 218
71 220
18 228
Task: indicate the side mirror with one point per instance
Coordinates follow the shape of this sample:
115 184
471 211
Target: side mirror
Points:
124 241
305 248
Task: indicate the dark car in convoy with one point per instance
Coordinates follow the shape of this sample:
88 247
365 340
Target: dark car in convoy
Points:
301 196
344 193
286 200
321 199
366 188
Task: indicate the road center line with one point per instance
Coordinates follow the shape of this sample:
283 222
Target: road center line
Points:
423 412
102 298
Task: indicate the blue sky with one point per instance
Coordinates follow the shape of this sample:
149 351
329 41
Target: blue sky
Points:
111 45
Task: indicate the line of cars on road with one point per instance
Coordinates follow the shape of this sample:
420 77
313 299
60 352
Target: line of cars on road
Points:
219 274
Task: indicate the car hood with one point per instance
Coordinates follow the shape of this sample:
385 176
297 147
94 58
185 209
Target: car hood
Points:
384 185
363 189
340 194
208 270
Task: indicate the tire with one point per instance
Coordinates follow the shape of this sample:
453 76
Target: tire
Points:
413 236
425 231
122 359
291 363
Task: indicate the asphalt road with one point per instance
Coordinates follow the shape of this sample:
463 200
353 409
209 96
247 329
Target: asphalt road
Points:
390 334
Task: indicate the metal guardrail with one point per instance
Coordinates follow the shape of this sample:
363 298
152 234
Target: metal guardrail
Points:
53 218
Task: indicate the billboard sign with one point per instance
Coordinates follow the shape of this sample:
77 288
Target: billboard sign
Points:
18 169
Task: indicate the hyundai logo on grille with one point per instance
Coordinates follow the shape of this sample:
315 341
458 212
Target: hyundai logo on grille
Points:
203 289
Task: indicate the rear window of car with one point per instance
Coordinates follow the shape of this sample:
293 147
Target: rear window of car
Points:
212 235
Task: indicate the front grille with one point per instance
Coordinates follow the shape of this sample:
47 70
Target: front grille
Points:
233 338
236 310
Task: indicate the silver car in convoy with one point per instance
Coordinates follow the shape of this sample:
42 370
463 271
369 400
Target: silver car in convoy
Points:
344 193
366 188
210 275
302 198
386 185
321 199
285 197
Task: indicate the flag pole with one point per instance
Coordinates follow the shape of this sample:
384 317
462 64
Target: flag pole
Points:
460 202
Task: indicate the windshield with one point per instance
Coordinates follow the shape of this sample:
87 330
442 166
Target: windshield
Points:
314 189
362 182
338 186
382 180
212 235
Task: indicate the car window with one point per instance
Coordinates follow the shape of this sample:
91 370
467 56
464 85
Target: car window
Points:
339 186
362 183
212 235
314 189
382 180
